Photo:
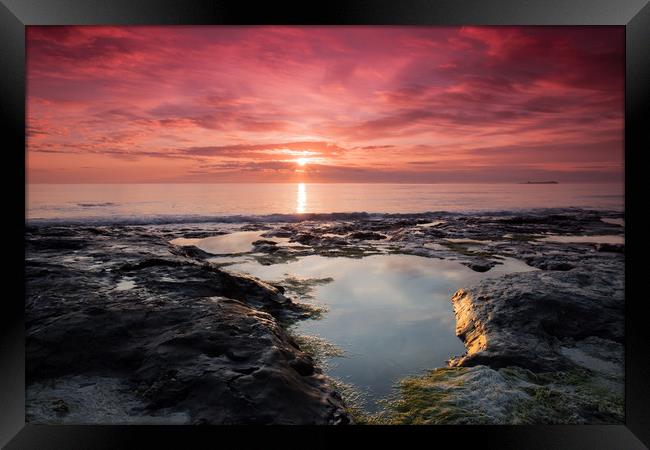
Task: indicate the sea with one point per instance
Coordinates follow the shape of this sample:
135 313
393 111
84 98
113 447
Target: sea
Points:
178 203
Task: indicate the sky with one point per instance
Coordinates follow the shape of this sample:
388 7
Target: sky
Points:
404 104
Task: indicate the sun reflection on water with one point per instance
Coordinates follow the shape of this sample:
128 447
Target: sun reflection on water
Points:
301 198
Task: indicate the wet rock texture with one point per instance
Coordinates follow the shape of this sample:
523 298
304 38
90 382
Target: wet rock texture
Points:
523 319
181 337
478 241
174 338
542 347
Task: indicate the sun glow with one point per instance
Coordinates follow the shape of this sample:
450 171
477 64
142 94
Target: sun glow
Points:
301 161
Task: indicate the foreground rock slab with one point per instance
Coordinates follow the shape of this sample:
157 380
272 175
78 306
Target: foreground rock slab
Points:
149 337
525 319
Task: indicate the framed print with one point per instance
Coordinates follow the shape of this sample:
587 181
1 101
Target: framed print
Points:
362 220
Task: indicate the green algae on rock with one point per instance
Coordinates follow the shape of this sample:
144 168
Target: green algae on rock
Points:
511 395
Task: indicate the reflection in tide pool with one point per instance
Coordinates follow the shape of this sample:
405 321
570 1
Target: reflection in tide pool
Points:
391 314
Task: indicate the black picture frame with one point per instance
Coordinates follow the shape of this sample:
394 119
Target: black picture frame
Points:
634 15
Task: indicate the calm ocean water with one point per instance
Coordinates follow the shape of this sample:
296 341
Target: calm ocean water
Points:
145 203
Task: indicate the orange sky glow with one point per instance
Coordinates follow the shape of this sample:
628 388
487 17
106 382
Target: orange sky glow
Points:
324 104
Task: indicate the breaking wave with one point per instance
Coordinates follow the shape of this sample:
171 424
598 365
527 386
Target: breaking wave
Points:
164 219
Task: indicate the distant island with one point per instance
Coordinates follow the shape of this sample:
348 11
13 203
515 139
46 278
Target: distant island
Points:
540 182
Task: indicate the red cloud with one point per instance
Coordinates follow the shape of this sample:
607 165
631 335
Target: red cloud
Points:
414 101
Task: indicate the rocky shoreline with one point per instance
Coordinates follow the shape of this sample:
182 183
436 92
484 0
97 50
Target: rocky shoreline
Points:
189 342
161 333
542 347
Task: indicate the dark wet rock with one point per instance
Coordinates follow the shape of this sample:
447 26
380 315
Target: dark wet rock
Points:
199 234
612 248
401 235
254 227
190 251
266 380
334 242
559 266
264 242
522 319
60 407
150 262
480 266
367 236
186 339
534 219
435 233
303 365
279 287
279 232
56 243
552 262
205 280
251 290
265 246
304 238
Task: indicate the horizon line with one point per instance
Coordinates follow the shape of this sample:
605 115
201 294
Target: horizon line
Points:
525 182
